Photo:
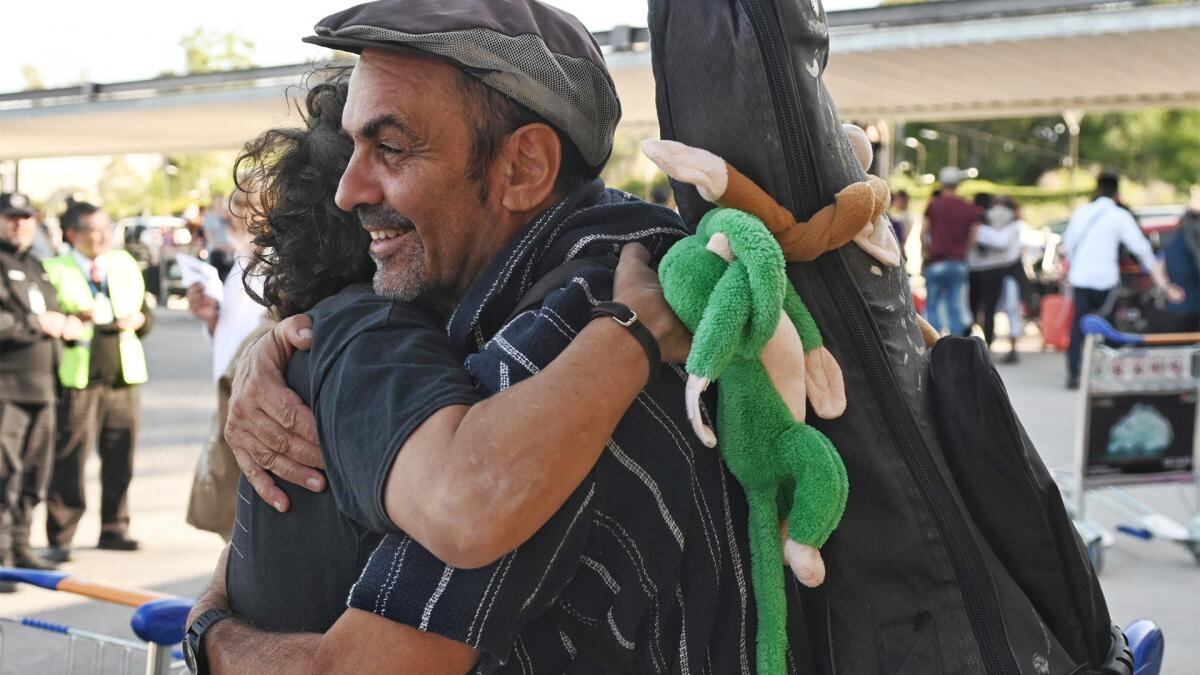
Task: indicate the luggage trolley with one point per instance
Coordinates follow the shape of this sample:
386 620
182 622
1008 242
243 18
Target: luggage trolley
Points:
1137 425
158 621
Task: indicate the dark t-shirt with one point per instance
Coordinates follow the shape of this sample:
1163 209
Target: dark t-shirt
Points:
377 370
950 220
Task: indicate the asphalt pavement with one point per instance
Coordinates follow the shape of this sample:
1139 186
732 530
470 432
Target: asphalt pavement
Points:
1141 579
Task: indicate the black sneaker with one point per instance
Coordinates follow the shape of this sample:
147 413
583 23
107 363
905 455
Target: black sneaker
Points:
1073 382
26 558
1011 357
110 541
58 554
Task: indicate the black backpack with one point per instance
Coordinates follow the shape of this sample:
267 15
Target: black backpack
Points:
955 554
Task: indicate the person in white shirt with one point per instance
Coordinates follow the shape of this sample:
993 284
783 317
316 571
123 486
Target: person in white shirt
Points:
997 247
230 324
230 321
1092 245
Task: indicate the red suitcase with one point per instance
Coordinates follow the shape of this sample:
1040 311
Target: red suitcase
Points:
1055 319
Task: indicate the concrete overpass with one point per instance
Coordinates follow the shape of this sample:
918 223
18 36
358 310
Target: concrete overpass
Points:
963 59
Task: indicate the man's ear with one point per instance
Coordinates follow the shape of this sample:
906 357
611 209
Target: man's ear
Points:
529 164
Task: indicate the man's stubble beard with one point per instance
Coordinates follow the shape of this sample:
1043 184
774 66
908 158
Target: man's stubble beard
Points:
407 280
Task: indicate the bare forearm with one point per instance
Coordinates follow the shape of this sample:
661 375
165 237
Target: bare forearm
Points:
236 647
516 457
233 646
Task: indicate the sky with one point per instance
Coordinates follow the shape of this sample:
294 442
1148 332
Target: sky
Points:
135 39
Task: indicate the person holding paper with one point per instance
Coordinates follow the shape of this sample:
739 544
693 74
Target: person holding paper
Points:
232 319
99 374
195 272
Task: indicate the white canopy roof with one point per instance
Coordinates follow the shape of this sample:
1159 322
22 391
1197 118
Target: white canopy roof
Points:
933 61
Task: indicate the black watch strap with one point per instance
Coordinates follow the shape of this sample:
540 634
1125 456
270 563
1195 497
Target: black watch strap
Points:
628 318
193 648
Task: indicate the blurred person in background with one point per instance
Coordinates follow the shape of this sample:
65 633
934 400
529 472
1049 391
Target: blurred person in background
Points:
898 214
216 235
997 248
99 376
1182 260
47 240
193 219
661 195
30 325
1092 244
230 325
950 223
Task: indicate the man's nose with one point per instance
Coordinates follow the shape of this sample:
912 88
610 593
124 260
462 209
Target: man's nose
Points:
358 185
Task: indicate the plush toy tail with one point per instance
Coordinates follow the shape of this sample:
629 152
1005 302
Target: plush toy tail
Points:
766 573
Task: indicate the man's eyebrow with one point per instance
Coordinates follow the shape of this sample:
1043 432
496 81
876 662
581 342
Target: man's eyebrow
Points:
372 128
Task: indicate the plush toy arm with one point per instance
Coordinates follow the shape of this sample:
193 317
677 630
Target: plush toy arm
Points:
716 341
805 324
823 376
694 166
719 336
744 194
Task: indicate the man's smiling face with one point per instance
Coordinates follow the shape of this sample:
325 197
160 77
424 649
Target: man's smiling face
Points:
433 230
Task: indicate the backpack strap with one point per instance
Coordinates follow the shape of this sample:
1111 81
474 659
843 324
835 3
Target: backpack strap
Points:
1087 228
558 278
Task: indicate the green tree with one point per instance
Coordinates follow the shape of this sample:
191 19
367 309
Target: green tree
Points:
122 190
193 180
211 51
1145 145
1154 144
33 77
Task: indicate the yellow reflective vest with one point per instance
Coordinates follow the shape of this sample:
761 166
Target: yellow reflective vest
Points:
126 290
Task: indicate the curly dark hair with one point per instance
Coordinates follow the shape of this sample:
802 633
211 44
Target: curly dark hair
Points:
307 249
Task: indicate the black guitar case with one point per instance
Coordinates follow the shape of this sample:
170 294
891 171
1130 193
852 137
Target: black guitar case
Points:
919 580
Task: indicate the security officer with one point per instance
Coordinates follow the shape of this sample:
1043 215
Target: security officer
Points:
99 374
30 324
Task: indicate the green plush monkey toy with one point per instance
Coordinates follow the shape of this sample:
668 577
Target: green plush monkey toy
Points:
727 283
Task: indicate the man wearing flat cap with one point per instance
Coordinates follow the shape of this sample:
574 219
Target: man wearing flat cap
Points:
30 326
479 130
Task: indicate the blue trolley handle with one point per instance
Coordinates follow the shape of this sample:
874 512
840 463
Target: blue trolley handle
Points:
1095 325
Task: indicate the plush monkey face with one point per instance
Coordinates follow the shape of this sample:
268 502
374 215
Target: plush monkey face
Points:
729 276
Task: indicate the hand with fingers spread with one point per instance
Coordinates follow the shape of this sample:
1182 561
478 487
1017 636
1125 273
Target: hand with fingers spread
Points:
270 430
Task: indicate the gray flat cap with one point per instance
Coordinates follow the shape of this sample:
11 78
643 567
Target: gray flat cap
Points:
537 55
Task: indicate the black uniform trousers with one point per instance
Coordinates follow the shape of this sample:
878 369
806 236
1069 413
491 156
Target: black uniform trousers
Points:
1087 301
26 455
103 414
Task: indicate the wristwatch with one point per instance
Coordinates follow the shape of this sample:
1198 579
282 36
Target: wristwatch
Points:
628 318
193 642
